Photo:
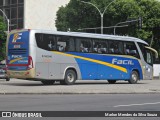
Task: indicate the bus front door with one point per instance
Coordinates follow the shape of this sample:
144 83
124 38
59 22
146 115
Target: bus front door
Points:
148 65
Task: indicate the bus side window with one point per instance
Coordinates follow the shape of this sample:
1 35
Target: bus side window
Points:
51 42
39 40
85 46
70 45
131 49
116 47
111 47
100 46
61 43
46 41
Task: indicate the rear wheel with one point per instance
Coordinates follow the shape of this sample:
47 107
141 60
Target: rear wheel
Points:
134 77
111 81
7 79
70 78
48 82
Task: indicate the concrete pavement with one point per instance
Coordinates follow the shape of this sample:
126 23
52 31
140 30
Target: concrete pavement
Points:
17 86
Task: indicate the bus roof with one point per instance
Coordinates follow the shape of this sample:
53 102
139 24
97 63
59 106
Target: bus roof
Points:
86 35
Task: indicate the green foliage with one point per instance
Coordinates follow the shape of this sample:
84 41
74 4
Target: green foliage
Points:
78 15
2 39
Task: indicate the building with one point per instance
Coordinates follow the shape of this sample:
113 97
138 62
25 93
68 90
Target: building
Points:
31 14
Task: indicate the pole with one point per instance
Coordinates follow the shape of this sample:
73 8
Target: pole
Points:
6 19
101 13
101 23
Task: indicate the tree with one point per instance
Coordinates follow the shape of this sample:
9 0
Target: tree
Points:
78 15
2 39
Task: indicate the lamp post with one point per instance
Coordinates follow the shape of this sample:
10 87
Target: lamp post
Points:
101 13
6 19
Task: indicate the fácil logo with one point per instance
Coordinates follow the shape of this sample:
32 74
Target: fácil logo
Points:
16 56
16 37
122 62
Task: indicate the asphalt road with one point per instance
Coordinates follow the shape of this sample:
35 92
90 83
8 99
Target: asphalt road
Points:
87 102
22 95
83 102
17 86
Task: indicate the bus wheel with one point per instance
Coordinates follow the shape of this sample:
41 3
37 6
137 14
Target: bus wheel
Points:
111 81
70 78
134 77
48 82
7 79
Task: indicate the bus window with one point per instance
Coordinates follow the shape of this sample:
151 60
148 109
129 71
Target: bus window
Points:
148 57
61 43
115 47
39 40
131 49
100 46
111 47
71 45
84 45
46 41
51 42
142 48
65 44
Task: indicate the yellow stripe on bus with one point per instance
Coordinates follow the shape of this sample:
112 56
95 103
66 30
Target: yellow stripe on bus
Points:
14 60
95 61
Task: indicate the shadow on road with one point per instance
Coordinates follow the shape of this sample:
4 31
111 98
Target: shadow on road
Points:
78 83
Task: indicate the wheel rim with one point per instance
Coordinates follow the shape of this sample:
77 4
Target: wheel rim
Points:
70 77
134 77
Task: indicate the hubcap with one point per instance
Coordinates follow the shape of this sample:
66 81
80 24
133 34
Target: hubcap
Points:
70 77
134 77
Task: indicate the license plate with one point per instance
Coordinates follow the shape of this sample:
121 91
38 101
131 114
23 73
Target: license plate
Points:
2 75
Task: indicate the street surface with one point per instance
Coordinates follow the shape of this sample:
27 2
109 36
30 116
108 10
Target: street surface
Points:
22 95
17 86
83 102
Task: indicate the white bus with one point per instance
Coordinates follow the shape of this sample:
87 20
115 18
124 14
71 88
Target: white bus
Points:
49 56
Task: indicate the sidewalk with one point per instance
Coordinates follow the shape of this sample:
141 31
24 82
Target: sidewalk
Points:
17 86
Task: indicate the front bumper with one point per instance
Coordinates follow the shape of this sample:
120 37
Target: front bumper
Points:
3 76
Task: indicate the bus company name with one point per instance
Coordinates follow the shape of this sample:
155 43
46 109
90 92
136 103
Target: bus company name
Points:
16 56
122 62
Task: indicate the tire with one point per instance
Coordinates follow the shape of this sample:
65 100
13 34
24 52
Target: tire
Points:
62 82
112 81
134 77
7 79
70 78
48 82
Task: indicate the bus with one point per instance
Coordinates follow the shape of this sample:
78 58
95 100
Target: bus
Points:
50 56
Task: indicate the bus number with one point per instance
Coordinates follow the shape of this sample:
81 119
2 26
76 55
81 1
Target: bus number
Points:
17 46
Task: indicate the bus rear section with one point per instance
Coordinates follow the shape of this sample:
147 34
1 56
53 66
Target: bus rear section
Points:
19 62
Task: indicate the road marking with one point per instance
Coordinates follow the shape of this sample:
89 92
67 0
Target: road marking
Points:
137 104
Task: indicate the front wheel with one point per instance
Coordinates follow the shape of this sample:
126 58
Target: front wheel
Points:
70 78
48 82
134 77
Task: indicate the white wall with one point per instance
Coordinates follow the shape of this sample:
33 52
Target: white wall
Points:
41 14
